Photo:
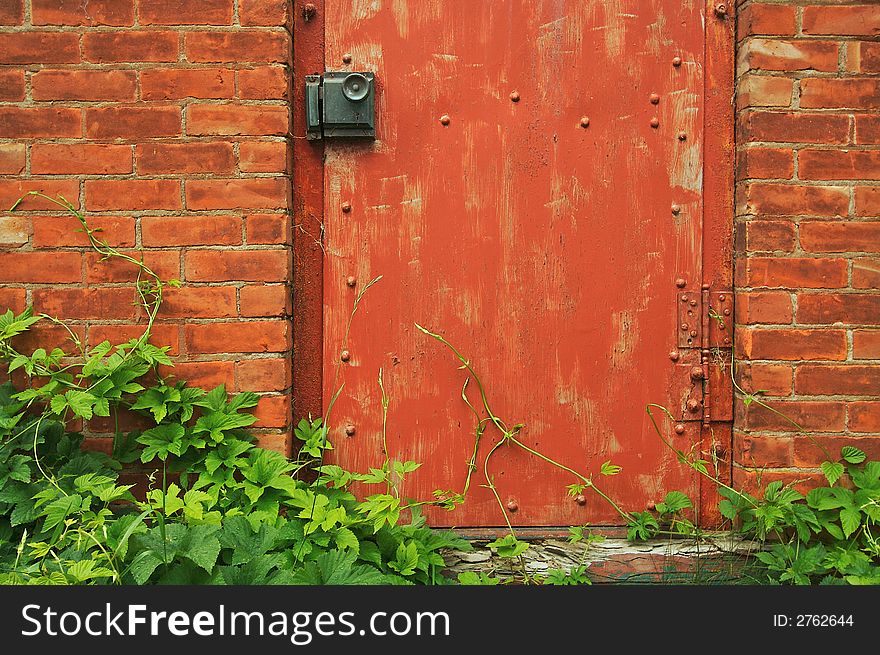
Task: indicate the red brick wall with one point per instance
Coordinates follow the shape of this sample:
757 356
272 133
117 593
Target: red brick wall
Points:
808 230
166 122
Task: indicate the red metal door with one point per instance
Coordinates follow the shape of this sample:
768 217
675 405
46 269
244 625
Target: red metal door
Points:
537 186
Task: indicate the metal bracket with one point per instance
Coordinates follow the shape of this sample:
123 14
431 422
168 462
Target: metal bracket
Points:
340 104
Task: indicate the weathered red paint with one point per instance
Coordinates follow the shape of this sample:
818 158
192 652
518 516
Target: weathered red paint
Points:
536 235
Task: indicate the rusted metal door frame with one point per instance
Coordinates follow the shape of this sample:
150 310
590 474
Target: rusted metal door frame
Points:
308 209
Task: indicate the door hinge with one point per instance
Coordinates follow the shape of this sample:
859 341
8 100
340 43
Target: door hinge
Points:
705 328
340 104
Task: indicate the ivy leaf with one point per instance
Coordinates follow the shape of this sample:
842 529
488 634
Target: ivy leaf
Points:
161 441
675 501
832 471
610 469
143 565
508 546
345 538
81 402
58 404
853 455
850 520
59 509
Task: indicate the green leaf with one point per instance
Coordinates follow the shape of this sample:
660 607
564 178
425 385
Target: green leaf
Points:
406 559
853 455
508 546
345 538
610 469
143 566
850 520
675 501
81 402
161 441
58 404
832 471
59 509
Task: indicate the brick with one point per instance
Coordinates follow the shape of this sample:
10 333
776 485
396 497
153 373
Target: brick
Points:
762 450
768 236
107 303
232 120
770 379
867 129
777 20
263 12
808 450
794 345
11 190
130 46
796 416
764 91
864 416
785 55
11 12
160 231
48 337
199 302
40 123
103 195
237 337
822 236
84 85
792 272
12 159
196 157
866 273
789 199
39 48
254 193
128 420
263 374
855 92
205 375
134 123
165 263
278 442
15 300
260 47
80 159
65 231
763 307
260 301
273 412
263 156
866 344
11 85
839 164
162 334
867 201
863 57
42 267
119 13
185 12
237 265
827 308
765 163
794 127
860 20
14 231
268 228
263 83
179 83
832 380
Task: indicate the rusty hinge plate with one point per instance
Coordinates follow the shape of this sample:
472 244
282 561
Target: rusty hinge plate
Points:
690 319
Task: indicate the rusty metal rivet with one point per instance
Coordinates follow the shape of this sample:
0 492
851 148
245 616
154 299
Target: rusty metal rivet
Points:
727 341
681 283
684 327
580 499
345 355
651 506
346 207
444 119
679 428
693 333
514 96
346 58
727 312
655 98
655 122
585 121
309 11
684 297
722 298
676 209
673 355
682 136
676 61
351 280
693 406
693 303
721 9
350 430
696 373
512 506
